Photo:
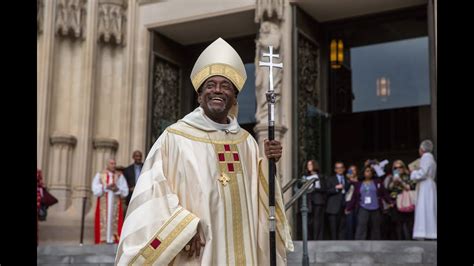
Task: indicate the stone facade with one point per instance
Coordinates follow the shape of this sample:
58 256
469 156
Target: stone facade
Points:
83 106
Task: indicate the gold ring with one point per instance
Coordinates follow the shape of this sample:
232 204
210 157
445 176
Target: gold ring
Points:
187 248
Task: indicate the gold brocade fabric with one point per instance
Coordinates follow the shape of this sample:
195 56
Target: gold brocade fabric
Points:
179 187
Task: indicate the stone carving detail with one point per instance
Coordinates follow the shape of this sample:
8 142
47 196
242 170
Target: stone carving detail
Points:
269 34
309 121
70 18
165 97
39 16
265 9
112 21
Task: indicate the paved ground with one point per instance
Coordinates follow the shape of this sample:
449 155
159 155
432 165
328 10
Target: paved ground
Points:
324 253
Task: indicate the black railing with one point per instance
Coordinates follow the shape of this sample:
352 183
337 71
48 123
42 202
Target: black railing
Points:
301 193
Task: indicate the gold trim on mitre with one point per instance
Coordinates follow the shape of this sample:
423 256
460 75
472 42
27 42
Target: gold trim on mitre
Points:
219 59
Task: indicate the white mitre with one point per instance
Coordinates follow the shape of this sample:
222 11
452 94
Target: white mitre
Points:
219 59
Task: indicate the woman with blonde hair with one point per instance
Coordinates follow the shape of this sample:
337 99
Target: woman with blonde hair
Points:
400 185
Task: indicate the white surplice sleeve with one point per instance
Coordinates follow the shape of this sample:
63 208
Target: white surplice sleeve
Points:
157 227
421 173
97 187
122 186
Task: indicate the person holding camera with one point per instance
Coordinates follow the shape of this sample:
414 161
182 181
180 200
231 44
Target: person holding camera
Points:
400 185
351 217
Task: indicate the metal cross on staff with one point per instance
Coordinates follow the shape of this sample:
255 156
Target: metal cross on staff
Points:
271 97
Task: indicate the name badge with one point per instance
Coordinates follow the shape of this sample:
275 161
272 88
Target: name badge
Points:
367 200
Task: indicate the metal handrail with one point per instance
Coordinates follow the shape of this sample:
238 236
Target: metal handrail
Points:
304 210
301 191
290 184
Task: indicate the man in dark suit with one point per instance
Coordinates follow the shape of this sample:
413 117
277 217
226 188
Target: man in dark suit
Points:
336 191
132 172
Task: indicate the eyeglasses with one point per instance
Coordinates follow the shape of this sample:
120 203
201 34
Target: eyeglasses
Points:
397 167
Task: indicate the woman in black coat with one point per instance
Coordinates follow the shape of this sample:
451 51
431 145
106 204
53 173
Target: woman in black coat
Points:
316 199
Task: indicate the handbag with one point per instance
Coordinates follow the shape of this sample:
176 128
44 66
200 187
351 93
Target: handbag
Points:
406 201
48 200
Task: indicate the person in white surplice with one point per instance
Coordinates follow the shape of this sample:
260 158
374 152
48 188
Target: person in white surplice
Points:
425 210
109 186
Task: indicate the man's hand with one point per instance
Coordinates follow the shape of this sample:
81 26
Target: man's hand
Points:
339 186
194 245
273 149
112 187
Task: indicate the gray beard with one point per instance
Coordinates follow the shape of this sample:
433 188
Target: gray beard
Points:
216 110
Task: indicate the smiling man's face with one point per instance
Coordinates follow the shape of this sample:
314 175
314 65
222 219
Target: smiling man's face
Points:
216 97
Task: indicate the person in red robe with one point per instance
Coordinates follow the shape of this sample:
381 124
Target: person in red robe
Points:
110 187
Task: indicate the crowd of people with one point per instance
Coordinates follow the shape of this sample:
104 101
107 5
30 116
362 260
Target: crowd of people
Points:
398 203
376 203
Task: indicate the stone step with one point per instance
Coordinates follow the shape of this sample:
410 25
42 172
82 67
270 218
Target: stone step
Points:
103 255
324 253
366 253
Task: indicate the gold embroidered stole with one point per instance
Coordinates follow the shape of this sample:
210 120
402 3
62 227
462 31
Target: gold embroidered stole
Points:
103 201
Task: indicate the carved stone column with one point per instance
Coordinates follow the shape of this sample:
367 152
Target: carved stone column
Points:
269 13
59 178
269 35
275 19
45 59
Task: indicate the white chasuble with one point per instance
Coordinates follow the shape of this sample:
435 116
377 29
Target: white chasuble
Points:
197 175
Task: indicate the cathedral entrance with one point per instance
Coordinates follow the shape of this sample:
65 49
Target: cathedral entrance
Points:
364 90
380 96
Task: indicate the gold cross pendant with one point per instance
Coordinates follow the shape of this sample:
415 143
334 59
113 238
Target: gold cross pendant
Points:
224 179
